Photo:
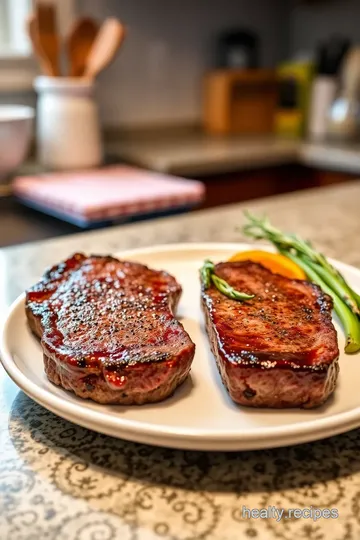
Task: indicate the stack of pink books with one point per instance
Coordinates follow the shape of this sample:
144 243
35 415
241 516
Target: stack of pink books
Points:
116 193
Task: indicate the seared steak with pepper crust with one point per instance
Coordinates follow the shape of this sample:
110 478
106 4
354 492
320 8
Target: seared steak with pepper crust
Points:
278 349
108 330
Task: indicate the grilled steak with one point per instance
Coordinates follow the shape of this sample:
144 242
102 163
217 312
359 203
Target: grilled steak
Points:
108 330
278 349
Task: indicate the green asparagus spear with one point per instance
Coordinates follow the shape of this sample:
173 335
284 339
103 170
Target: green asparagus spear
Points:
208 275
348 320
338 286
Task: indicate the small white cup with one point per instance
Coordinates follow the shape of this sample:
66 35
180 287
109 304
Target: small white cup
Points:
68 129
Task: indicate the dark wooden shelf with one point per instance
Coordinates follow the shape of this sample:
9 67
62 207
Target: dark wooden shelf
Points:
264 182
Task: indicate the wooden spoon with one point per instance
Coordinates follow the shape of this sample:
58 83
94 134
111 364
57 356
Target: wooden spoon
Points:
79 44
44 62
107 43
48 35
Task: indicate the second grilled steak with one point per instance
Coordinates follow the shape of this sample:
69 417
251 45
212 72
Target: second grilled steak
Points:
108 330
280 348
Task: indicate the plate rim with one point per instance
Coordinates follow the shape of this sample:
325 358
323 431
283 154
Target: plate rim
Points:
309 430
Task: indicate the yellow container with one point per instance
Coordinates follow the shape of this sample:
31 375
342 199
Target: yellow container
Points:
295 79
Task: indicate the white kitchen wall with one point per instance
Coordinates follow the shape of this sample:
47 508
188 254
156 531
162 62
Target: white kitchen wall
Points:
310 24
157 77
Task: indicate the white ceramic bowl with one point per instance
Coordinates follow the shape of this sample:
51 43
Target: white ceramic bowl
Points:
16 122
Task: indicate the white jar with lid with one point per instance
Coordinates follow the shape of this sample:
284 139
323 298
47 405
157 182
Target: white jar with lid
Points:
68 129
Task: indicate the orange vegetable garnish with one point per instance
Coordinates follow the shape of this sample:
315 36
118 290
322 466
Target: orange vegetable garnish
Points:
277 263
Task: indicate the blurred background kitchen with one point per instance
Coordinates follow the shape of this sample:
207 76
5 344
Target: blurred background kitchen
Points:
122 111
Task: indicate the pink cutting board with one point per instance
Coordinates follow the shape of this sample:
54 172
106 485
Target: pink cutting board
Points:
108 193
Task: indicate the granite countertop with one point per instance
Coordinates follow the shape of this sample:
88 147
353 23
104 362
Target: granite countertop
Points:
195 153
59 481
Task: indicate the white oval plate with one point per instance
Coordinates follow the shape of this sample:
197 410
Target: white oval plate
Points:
200 415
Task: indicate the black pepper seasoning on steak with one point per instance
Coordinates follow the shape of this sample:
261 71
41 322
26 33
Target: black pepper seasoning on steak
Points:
108 330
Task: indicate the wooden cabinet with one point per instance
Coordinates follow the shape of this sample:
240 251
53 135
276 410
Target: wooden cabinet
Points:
263 182
326 178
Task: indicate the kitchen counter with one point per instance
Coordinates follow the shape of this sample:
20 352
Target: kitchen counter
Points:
60 481
194 153
197 154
